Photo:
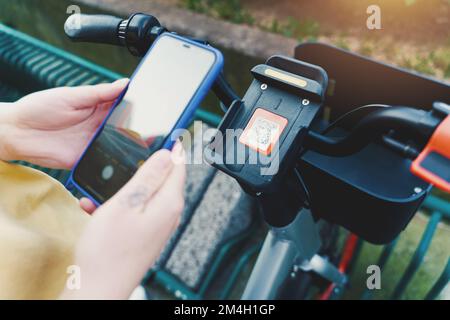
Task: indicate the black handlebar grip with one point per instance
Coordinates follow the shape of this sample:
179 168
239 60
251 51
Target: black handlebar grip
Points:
93 28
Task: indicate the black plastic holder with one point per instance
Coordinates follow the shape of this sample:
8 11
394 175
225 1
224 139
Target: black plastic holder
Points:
288 94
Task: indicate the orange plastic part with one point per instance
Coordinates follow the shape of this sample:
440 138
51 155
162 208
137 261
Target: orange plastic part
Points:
439 143
263 131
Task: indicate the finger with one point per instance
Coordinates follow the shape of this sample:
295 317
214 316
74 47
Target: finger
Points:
147 180
169 200
87 205
101 112
178 153
176 224
90 96
164 209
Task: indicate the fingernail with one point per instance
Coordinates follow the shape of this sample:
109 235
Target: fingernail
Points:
123 81
178 149
178 153
165 160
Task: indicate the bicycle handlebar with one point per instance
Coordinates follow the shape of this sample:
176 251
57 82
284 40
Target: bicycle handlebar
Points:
93 28
414 122
137 33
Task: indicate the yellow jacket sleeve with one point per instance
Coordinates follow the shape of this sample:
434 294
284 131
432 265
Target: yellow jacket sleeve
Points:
40 222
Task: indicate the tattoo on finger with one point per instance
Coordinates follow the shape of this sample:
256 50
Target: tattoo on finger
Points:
138 197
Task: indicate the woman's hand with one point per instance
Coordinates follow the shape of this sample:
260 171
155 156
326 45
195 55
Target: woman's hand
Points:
127 234
51 128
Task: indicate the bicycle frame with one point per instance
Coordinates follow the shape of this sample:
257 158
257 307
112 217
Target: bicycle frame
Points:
285 251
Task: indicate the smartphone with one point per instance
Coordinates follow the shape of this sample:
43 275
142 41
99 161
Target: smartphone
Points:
162 96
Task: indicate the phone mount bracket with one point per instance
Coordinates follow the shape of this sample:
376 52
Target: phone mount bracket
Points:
260 138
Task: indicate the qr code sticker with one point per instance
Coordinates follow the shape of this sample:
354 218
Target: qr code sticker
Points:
262 133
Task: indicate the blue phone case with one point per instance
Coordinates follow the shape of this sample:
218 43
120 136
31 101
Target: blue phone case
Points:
184 119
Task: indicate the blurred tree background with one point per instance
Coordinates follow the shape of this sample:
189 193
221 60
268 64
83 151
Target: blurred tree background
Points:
415 33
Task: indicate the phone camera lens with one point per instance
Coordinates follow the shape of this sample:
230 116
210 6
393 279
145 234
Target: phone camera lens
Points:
107 172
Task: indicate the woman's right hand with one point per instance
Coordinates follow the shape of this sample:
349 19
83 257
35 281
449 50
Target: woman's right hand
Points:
127 234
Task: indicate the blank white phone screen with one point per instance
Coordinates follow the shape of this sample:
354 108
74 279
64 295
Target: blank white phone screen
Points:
162 87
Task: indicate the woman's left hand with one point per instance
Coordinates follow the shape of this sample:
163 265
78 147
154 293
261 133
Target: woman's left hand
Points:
51 128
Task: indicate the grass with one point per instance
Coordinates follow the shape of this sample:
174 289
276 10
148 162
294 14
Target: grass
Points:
432 266
230 10
430 63
409 2
233 11
342 43
435 62
367 48
418 63
293 28
441 60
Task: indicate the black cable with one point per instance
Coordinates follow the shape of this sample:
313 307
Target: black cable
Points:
345 115
224 92
351 112
406 120
307 203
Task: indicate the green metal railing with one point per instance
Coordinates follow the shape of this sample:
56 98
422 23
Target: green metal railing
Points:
439 209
